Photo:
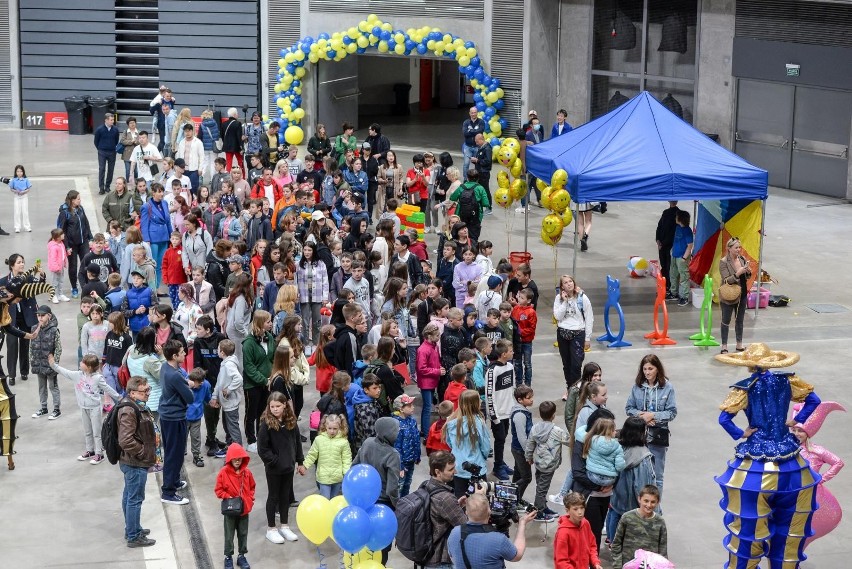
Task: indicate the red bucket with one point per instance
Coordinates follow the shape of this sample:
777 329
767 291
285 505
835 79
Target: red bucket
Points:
518 258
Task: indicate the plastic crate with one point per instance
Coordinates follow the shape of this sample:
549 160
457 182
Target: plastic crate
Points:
752 298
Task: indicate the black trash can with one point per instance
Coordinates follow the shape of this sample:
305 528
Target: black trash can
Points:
401 91
78 114
101 106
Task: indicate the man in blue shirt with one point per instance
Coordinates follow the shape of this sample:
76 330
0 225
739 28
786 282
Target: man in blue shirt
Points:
470 128
106 139
561 126
175 399
485 547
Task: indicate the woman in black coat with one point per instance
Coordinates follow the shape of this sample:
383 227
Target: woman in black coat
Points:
73 222
23 321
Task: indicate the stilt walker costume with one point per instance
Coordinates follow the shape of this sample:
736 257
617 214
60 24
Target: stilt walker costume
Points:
769 489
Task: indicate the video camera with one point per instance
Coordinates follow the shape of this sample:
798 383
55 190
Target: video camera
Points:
502 497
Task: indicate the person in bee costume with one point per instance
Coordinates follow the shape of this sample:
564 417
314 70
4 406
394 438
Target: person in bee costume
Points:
768 489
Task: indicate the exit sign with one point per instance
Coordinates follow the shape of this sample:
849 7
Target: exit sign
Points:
793 69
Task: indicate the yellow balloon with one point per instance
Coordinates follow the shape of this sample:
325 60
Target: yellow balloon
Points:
471 52
502 179
447 38
506 157
300 72
499 92
364 26
567 217
545 197
387 27
398 49
519 188
383 47
503 197
496 129
464 61
312 515
281 103
512 143
491 98
313 58
439 45
372 18
369 564
560 200
299 114
337 504
552 225
300 55
548 240
355 558
362 42
289 58
352 48
352 33
430 45
294 134
517 168
559 178
399 38
540 184
278 88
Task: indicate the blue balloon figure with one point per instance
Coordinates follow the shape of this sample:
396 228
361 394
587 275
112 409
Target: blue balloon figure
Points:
613 296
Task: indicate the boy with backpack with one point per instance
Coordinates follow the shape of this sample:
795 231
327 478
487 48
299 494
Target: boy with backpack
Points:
206 356
472 200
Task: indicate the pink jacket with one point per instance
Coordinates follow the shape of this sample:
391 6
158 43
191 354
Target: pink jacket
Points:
57 256
428 365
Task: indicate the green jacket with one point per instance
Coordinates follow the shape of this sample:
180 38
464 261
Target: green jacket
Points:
257 360
332 456
117 207
479 194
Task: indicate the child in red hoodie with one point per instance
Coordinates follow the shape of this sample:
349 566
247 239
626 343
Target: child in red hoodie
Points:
458 383
173 272
435 442
524 314
235 480
574 545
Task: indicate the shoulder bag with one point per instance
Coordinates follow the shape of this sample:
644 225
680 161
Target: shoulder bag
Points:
730 293
233 507
217 144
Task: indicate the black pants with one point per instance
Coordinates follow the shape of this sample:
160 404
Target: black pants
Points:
474 228
173 435
523 473
106 164
372 187
18 348
298 399
485 182
77 254
665 253
499 429
730 312
255 404
460 486
278 500
211 423
571 343
596 508
240 526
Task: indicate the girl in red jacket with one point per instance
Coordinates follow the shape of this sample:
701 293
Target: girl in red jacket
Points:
429 372
173 273
574 546
236 480
324 370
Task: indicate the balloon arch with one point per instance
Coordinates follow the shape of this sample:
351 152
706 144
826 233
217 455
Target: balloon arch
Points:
373 34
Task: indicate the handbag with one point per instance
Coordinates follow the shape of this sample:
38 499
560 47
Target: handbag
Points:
217 144
123 375
657 435
730 293
119 148
233 507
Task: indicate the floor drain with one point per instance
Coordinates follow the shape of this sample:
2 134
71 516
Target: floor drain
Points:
827 308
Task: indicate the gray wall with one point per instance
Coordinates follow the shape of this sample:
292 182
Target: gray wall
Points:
209 50
714 87
543 47
575 60
67 48
821 66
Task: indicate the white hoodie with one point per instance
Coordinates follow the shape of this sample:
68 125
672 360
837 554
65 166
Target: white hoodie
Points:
231 379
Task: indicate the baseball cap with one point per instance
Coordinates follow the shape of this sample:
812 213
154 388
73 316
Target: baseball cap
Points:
44 309
317 215
180 163
494 280
235 259
401 401
532 112
366 146
137 273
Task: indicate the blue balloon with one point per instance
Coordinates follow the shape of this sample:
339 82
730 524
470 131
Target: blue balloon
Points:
361 50
377 31
495 82
282 52
306 48
475 61
331 54
351 528
391 44
469 44
499 104
324 36
291 69
481 106
297 100
362 486
477 97
463 69
385 35
504 124
347 40
470 70
383 525
495 142
409 44
479 73
296 83
435 36
489 112
308 40
421 49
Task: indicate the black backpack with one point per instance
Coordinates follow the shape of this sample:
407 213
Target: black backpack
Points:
109 430
468 210
414 525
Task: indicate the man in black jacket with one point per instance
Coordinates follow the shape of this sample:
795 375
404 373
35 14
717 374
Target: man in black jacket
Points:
379 143
106 139
371 168
665 239
206 356
346 348
482 161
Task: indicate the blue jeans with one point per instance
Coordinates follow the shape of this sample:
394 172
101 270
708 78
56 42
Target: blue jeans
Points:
412 361
158 250
132 498
426 414
468 152
523 364
659 454
612 519
569 481
329 491
405 481
193 181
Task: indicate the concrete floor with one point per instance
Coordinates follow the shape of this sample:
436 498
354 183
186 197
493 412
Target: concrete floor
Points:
59 512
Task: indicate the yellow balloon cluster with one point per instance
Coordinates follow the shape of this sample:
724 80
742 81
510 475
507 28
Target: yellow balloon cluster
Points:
557 199
364 559
509 189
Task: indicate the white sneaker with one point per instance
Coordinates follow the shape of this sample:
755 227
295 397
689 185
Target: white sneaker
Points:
288 534
520 210
427 230
64 298
273 536
555 499
55 300
252 447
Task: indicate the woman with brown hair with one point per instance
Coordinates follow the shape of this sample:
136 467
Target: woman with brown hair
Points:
299 369
652 399
240 303
572 311
734 269
132 239
258 350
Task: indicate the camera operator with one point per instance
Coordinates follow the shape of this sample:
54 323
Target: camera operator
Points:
445 509
478 545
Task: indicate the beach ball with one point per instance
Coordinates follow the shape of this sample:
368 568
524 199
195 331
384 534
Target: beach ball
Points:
638 267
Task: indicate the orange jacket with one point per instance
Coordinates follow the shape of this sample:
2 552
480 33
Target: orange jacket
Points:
574 547
229 482
433 441
527 320
257 192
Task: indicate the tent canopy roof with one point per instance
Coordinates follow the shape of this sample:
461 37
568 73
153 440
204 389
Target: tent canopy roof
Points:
643 152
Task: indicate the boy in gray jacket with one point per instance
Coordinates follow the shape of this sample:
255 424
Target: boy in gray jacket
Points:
228 394
89 385
544 450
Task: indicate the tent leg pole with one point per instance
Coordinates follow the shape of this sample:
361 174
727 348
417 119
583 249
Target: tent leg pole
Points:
760 255
576 239
527 218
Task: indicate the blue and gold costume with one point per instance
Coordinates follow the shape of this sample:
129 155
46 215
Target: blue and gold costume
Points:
768 490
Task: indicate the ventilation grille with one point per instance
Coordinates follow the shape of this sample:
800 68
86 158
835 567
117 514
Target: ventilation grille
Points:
805 22
507 39
284 24
5 65
468 10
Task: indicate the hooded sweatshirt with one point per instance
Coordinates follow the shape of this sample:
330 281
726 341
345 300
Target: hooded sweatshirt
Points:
544 447
574 547
231 379
408 440
658 400
606 457
88 387
367 412
231 483
333 457
379 452
280 449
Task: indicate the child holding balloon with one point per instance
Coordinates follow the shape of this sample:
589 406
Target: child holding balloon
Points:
280 449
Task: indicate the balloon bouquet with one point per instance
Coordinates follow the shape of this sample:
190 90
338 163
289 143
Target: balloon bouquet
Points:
557 199
354 520
373 34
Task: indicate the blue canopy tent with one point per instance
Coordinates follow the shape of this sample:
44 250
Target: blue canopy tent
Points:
641 151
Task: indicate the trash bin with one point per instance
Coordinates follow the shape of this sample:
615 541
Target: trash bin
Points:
401 91
78 114
100 106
